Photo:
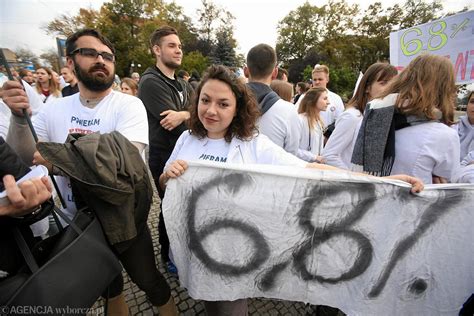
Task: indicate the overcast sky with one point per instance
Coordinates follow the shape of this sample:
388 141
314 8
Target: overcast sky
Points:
256 20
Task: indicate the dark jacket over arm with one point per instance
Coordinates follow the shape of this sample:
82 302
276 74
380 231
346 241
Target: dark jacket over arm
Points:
109 175
158 95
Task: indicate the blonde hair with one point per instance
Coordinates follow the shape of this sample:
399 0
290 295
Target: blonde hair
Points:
53 84
283 89
320 68
308 106
425 88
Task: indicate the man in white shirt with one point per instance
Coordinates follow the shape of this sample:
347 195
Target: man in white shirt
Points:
279 120
320 77
96 108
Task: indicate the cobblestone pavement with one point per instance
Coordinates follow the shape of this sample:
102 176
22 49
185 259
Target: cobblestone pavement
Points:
140 306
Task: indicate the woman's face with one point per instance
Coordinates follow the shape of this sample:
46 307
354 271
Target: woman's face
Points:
42 76
126 89
376 88
323 102
470 109
217 107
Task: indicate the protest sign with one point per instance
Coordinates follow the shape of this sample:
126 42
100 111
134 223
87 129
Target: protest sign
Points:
451 36
364 245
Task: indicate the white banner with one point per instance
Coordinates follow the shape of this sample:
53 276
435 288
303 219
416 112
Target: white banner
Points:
452 37
366 246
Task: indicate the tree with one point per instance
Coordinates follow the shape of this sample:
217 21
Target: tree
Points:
223 52
298 32
339 36
128 24
51 59
419 12
27 55
195 61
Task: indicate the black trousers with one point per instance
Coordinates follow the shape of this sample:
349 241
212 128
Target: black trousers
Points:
162 233
139 262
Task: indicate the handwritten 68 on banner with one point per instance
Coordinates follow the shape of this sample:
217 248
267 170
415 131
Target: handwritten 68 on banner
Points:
452 37
368 248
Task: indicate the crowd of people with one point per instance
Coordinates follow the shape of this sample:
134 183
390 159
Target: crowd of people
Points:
396 125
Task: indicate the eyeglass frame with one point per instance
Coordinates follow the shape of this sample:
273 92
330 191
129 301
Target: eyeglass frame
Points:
97 54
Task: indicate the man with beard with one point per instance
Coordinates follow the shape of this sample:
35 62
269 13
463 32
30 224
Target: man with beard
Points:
96 108
166 98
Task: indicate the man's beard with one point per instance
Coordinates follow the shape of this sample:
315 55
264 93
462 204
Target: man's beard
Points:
171 64
94 82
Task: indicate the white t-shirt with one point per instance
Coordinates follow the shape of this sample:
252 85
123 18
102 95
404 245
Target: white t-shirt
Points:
339 147
280 124
5 112
48 99
115 112
427 149
258 150
335 108
5 115
311 140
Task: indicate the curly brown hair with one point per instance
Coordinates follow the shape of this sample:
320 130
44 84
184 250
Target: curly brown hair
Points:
244 124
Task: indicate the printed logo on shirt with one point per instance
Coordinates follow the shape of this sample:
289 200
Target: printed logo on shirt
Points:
80 131
83 122
213 158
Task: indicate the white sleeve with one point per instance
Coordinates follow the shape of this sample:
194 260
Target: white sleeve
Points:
40 123
465 174
339 107
133 122
301 153
447 161
177 148
5 114
292 140
340 140
267 152
33 98
306 155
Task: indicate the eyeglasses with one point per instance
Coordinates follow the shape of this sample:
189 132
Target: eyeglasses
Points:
92 53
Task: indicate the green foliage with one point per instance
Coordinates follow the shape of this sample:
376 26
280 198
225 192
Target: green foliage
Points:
339 35
51 59
307 73
195 61
128 24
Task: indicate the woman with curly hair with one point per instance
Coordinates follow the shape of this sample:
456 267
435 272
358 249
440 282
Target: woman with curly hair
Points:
222 128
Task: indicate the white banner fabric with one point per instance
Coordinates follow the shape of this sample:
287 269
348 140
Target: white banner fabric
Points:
364 245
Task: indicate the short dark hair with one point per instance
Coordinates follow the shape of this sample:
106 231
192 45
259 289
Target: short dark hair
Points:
244 124
71 40
281 72
376 72
182 73
261 60
159 33
23 72
303 86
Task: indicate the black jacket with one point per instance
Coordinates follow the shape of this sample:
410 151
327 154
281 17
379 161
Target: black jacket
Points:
109 175
10 256
266 97
158 95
